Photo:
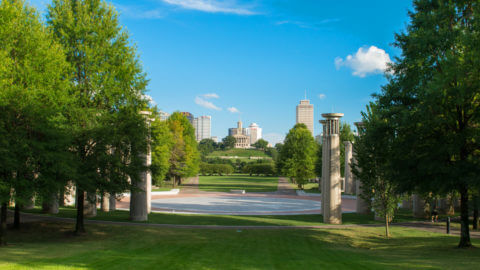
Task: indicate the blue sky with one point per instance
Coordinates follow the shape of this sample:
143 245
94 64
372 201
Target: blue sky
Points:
255 59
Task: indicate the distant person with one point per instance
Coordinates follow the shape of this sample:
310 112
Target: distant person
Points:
435 214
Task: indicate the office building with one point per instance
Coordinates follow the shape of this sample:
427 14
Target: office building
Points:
254 132
203 127
305 114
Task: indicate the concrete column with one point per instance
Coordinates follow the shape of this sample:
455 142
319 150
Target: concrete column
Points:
331 185
90 205
140 200
51 204
418 206
363 206
324 126
349 184
70 198
112 202
105 203
30 204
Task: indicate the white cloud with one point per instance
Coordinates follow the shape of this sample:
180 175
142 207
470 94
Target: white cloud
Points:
322 96
206 104
138 12
210 95
233 110
366 61
149 99
211 6
274 138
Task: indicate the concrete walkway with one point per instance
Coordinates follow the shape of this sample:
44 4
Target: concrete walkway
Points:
285 187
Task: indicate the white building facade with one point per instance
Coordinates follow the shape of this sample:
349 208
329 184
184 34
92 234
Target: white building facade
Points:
305 114
254 132
203 127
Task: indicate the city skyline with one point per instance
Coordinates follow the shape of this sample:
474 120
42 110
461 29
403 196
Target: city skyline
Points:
254 59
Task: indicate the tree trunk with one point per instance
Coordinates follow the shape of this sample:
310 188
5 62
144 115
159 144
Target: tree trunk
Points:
464 233
61 197
16 217
475 212
80 227
3 223
112 204
387 229
105 203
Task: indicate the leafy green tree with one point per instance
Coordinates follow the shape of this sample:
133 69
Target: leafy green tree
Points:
107 83
229 142
318 163
162 142
33 85
261 144
432 101
299 154
184 158
207 146
373 151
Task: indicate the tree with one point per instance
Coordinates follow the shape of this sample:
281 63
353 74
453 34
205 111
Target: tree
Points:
318 163
107 82
206 146
373 150
432 101
298 155
261 144
229 142
184 158
162 143
33 85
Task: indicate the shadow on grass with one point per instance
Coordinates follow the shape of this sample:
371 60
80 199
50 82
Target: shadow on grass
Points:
43 245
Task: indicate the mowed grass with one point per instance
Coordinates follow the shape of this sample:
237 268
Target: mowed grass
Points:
245 153
219 220
53 246
229 182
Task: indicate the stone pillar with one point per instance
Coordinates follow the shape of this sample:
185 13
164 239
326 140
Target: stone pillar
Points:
331 185
30 203
112 202
140 200
349 185
70 198
418 206
324 126
51 204
90 205
105 203
363 206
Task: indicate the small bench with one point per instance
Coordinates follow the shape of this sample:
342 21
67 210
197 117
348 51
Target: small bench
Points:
237 191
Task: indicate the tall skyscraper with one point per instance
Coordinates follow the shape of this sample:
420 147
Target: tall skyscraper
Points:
254 132
305 114
203 127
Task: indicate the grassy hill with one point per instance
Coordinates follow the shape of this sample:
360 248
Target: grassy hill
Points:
242 153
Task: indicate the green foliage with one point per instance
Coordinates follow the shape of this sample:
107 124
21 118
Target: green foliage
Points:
218 169
33 101
298 155
207 146
318 162
260 169
261 144
184 158
107 83
162 143
229 142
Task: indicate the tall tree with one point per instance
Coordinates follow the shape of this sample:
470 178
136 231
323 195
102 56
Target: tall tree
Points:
261 144
298 155
33 95
206 146
346 135
432 99
373 151
184 158
108 85
229 142
162 143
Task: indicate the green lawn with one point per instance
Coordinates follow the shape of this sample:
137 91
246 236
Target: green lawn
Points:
245 153
308 187
248 183
52 246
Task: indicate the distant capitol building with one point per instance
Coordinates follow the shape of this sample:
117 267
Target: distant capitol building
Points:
245 137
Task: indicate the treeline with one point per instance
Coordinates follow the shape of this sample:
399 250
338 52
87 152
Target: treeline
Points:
73 110
265 169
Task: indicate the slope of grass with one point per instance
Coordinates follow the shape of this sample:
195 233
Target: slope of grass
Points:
52 246
248 183
245 153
